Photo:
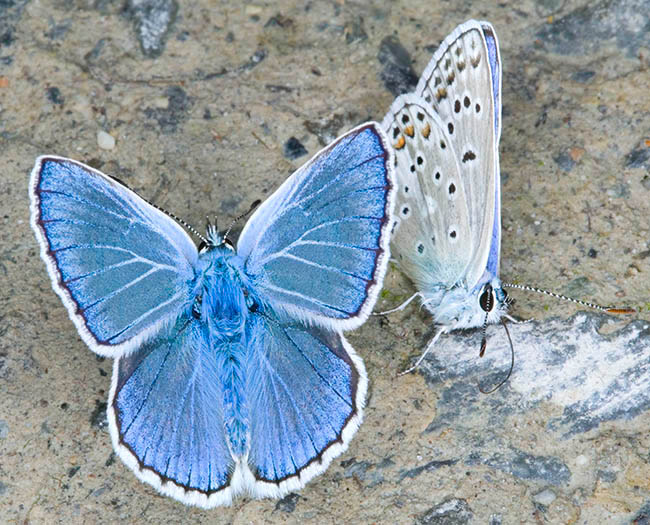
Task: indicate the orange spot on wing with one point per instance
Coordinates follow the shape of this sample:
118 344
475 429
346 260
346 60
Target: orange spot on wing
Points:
426 131
409 130
400 142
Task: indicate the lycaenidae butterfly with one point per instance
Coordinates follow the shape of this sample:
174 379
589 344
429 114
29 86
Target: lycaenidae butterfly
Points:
447 226
231 373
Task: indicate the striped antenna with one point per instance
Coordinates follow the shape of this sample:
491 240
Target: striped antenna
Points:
243 215
191 229
608 309
169 214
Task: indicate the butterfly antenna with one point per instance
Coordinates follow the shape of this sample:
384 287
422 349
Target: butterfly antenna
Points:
607 309
512 364
168 213
242 216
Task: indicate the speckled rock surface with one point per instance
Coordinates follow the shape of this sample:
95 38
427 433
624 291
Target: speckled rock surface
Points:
212 105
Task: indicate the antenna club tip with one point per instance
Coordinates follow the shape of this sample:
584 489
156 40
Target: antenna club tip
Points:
622 311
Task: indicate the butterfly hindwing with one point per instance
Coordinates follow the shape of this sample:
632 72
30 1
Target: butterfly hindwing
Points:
432 229
121 266
166 416
462 84
318 247
307 391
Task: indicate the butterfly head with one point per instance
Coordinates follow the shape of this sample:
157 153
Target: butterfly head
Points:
460 307
493 299
213 239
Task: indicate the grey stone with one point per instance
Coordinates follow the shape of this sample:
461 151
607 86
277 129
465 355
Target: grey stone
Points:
153 19
176 112
293 149
588 28
545 497
397 73
564 161
452 511
642 517
288 503
639 157
592 378
525 466
429 467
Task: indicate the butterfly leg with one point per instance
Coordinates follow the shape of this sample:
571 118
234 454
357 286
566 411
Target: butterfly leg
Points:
518 321
401 306
443 330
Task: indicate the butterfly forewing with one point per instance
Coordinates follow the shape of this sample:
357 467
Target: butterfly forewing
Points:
462 85
318 247
120 265
432 230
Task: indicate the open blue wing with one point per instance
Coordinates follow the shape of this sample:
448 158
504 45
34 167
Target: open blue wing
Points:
166 416
318 247
307 389
121 266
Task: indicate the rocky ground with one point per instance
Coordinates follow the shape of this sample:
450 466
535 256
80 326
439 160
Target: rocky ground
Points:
205 107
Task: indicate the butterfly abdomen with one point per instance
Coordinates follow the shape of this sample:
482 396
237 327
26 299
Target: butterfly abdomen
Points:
224 313
235 404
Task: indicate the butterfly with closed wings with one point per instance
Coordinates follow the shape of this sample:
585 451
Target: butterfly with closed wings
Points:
447 226
231 374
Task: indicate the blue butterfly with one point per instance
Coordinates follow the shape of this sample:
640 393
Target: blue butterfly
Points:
231 373
447 229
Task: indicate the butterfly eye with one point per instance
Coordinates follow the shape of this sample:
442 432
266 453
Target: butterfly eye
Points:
487 299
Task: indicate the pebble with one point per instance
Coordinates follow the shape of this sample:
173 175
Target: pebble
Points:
545 497
105 141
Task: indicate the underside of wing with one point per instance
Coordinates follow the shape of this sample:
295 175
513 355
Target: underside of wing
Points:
462 84
432 237
121 266
318 247
307 389
166 417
